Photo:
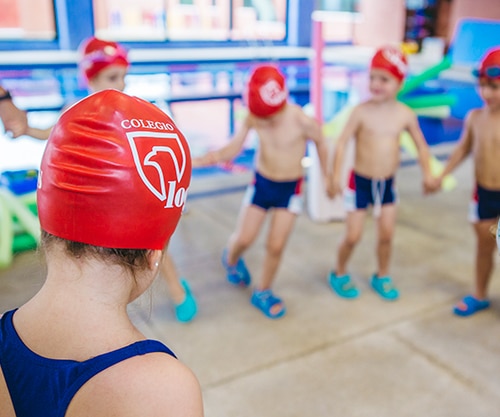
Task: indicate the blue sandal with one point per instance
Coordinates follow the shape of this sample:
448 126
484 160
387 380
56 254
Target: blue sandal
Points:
236 274
185 311
469 306
265 301
343 285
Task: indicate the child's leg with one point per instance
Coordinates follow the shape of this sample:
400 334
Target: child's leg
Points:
354 229
386 225
282 222
169 273
185 304
485 250
249 224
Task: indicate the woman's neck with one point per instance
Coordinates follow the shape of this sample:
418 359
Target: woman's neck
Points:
81 310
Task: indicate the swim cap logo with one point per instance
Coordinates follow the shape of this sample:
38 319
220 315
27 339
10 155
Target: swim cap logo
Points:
272 94
153 167
396 59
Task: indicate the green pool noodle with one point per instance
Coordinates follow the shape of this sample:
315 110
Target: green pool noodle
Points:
417 80
23 242
429 100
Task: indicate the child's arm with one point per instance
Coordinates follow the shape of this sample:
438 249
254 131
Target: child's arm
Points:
314 132
462 149
422 149
349 131
41 134
227 152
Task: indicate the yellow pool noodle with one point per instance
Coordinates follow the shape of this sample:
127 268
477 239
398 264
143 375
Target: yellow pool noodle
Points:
6 235
26 218
436 166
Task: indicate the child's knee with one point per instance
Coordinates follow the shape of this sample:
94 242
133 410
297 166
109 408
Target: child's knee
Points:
275 248
352 239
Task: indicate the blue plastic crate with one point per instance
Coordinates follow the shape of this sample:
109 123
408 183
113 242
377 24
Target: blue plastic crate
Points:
21 181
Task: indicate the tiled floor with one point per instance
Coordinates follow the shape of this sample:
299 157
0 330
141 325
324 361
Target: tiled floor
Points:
327 356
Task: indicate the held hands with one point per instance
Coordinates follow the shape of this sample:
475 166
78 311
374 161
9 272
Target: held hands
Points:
432 184
333 187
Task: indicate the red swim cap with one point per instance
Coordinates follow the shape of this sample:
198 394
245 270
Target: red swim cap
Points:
391 60
97 54
490 65
266 92
114 174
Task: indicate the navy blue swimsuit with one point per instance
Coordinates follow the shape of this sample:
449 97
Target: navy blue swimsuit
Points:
41 386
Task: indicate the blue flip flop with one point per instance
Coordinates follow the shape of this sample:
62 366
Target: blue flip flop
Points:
265 301
472 306
236 274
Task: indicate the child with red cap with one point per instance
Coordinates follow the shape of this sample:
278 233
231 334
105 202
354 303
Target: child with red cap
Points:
375 125
106 213
283 131
104 65
480 138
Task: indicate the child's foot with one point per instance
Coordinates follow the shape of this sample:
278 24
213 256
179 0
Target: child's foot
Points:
272 306
384 287
236 274
185 311
470 305
342 285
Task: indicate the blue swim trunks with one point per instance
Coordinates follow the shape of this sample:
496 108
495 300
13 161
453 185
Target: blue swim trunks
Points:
266 194
363 192
484 205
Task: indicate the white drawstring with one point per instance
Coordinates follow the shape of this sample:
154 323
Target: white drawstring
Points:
378 191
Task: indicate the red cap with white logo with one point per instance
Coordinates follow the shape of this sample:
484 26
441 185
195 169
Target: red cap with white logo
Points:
266 91
114 174
98 54
391 60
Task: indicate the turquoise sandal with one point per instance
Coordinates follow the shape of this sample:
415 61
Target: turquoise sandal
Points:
265 301
186 311
384 287
343 285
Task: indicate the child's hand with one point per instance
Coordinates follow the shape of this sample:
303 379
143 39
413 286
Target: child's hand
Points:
14 120
333 188
202 161
432 184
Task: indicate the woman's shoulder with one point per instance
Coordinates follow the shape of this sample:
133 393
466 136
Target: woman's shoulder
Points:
154 384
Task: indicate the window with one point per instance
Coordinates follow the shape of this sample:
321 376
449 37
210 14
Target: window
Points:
213 20
339 19
349 6
259 20
27 20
